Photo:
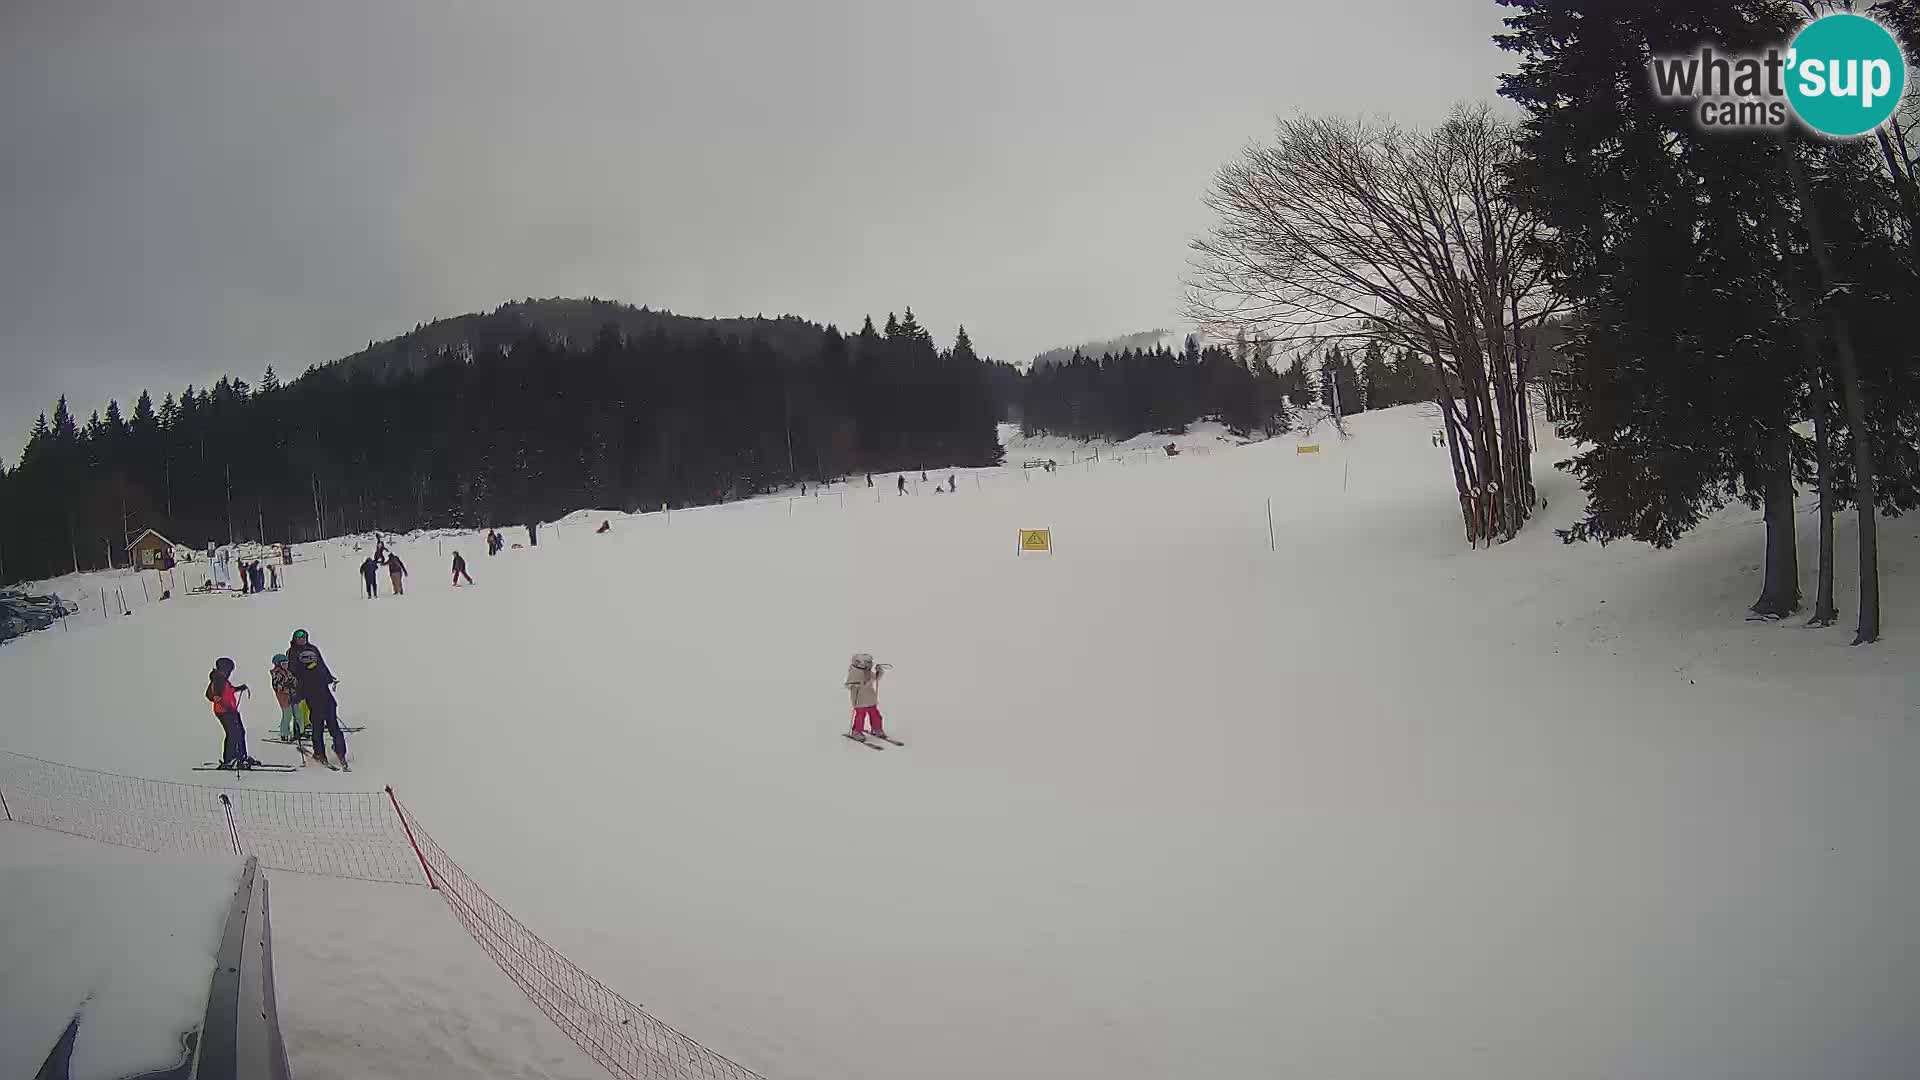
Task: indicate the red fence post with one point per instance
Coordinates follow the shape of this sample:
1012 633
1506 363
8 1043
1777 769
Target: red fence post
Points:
416 844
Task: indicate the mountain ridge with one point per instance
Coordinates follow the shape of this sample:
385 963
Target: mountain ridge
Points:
573 320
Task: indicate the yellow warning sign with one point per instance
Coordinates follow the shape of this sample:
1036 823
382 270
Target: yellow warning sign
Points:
1307 448
1036 540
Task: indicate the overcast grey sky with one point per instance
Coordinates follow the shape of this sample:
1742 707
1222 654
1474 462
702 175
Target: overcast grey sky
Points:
191 187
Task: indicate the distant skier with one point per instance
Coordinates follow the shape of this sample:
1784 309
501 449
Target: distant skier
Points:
903 484
869 479
226 708
379 550
396 570
286 691
460 569
952 487
259 576
863 687
316 690
605 527
369 573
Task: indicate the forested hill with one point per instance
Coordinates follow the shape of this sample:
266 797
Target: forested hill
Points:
536 409
566 321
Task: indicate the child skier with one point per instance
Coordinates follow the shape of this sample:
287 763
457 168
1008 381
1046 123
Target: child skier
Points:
863 686
226 708
286 690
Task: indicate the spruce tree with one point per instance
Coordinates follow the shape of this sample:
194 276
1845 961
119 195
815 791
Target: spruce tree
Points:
1302 388
1667 241
1377 389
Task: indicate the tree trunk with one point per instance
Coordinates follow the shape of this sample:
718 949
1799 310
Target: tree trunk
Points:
1780 593
1824 613
1852 395
1462 480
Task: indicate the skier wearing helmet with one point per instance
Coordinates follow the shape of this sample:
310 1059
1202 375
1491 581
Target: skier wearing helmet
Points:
225 698
286 690
316 689
863 687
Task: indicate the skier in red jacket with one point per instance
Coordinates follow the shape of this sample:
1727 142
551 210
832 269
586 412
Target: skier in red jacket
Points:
226 708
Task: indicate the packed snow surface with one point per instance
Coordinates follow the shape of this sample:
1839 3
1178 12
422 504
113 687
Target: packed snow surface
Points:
1186 797
127 945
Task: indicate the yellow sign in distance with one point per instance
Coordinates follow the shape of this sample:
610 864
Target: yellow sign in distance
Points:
1036 540
1307 448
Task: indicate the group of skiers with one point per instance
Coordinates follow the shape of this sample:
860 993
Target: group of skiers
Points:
396 570
303 686
258 577
950 488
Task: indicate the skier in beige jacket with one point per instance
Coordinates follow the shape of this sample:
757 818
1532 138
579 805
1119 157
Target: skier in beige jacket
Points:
863 687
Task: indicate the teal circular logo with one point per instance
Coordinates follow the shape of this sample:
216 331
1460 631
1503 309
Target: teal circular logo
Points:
1845 75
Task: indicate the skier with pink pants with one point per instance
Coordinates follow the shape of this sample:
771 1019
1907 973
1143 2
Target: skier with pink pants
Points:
863 686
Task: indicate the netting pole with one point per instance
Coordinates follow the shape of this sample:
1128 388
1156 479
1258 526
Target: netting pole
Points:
416 844
233 833
8 810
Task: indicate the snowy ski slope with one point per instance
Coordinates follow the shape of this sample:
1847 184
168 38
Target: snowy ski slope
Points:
1174 803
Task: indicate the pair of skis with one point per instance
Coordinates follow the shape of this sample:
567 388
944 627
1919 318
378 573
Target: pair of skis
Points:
214 766
867 741
308 741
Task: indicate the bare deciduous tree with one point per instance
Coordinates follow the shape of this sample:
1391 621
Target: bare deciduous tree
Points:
1345 228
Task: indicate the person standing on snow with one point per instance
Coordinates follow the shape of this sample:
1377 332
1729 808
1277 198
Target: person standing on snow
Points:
369 571
226 708
863 687
286 691
316 689
952 487
903 484
395 571
460 569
